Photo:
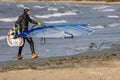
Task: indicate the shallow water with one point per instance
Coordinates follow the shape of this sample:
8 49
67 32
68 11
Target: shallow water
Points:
103 18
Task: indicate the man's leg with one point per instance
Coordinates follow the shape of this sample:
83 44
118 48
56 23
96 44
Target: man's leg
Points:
30 41
20 50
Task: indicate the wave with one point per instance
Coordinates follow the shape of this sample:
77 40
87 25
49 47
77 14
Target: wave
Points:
104 9
113 25
98 26
3 37
21 6
52 9
56 14
107 25
100 7
38 7
108 10
55 22
8 19
62 7
113 16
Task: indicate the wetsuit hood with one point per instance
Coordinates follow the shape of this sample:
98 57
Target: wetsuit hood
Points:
26 10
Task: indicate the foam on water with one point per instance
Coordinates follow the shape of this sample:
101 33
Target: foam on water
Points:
108 10
55 22
74 10
113 25
38 7
21 6
98 26
113 16
100 7
7 4
3 37
67 13
52 9
104 9
62 7
8 19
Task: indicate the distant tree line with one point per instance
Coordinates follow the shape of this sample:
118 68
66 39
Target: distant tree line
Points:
83 0
62 0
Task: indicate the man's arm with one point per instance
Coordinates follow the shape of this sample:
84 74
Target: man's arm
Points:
16 25
18 21
34 22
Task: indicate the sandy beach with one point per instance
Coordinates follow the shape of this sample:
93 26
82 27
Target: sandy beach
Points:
76 73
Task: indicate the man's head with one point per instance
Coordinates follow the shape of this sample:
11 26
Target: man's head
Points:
26 11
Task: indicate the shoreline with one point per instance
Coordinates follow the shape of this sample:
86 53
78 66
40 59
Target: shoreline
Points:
91 59
71 2
89 67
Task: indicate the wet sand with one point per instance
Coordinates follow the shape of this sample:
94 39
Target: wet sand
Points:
91 67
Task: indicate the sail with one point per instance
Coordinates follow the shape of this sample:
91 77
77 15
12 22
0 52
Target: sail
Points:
58 31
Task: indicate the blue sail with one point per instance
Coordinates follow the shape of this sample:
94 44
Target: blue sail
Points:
58 31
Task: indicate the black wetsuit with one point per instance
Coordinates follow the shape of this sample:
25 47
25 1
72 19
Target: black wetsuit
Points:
23 22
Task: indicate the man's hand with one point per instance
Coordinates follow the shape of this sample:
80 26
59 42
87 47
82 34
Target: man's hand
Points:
39 23
16 32
15 35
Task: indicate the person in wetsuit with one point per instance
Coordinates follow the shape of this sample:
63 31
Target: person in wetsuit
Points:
22 25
